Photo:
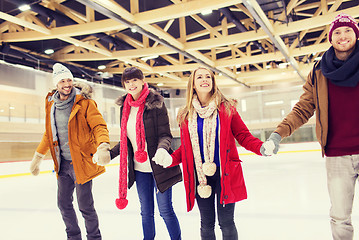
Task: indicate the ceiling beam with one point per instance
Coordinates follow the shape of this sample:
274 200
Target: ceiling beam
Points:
319 21
264 22
24 23
113 15
183 9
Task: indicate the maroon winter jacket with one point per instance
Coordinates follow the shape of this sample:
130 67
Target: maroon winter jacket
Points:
232 128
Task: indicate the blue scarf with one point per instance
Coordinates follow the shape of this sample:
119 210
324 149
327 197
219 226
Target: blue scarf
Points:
341 73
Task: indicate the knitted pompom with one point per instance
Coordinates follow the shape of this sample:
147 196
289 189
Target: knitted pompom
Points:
204 191
141 157
209 168
121 203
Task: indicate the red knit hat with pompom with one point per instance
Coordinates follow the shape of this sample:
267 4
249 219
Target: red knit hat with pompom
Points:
342 20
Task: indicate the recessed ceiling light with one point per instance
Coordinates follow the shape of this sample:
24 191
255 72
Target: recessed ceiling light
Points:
206 12
49 51
283 65
101 67
160 84
24 7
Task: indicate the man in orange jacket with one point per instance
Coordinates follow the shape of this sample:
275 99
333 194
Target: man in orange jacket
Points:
75 131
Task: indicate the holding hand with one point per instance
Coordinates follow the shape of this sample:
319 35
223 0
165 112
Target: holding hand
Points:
162 158
271 146
102 156
35 163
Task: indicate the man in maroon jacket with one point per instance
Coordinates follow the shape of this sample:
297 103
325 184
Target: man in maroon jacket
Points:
332 91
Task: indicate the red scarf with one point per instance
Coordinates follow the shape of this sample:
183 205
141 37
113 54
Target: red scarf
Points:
140 154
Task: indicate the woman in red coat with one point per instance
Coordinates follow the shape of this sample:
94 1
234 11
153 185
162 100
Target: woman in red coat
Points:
209 125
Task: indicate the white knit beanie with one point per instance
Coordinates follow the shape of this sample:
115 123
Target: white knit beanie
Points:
60 72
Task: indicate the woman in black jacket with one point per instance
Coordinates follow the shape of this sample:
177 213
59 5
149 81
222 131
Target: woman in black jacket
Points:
145 134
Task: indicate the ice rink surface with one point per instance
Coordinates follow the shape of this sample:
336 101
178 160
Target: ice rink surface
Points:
287 200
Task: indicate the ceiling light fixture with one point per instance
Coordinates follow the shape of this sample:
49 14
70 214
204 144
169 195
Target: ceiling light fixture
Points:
283 65
49 51
24 7
160 84
101 67
206 12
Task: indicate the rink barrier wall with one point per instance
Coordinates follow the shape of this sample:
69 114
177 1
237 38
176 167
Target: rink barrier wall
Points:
241 153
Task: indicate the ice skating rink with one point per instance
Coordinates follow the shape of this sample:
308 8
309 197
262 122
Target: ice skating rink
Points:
287 200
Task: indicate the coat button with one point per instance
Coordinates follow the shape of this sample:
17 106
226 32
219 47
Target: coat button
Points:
226 174
91 154
226 196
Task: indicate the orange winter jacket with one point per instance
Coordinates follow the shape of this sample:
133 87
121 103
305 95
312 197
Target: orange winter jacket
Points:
87 129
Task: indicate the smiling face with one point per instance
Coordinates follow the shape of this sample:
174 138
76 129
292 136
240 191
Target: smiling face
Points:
343 41
134 87
203 82
64 87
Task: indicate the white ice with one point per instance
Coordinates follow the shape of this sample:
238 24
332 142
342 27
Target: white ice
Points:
287 200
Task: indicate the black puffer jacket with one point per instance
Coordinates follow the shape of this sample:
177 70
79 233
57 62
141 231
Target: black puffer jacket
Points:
158 135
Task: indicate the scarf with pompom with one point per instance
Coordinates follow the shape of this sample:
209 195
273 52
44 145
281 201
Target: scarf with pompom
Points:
208 168
140 154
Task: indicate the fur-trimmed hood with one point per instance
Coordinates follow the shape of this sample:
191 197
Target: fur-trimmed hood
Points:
85 89
153 100
81 88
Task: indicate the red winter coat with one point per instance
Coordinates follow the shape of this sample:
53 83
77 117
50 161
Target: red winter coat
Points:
232 128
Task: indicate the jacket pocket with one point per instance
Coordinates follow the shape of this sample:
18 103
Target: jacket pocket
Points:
87 150
236 174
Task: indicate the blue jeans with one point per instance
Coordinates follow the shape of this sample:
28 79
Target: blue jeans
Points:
146 186
66 185
342 173
208 216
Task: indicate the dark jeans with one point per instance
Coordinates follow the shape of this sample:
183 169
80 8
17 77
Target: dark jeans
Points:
225 213
146 186
66 185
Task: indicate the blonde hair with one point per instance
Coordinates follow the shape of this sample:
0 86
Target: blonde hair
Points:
186 111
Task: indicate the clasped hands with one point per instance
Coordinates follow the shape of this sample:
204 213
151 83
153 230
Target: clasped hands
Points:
271 145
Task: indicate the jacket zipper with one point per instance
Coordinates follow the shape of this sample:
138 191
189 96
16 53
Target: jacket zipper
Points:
222 181
320 122
188 172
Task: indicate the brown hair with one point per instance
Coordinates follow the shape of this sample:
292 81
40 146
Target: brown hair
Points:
187 111
131 73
